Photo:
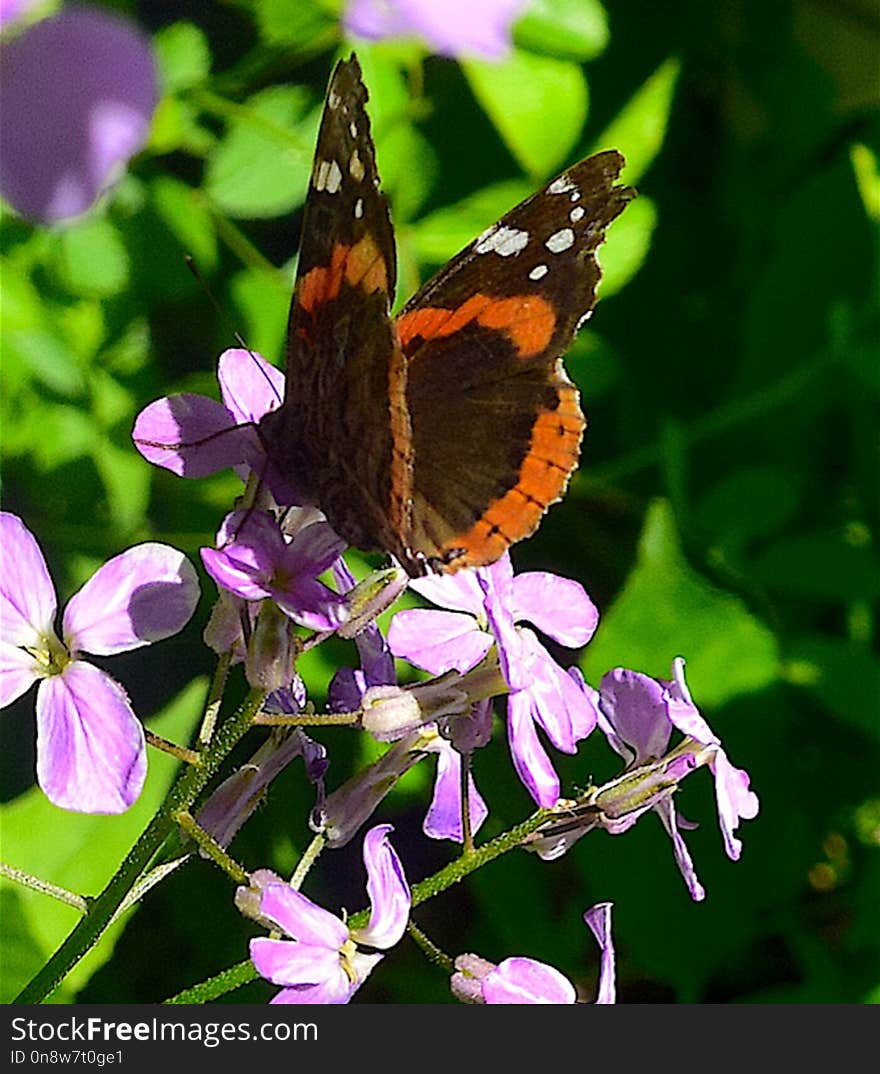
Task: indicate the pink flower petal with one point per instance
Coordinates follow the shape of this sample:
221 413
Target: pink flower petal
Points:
27 596
249 385
460 592
734 800
564 711
91 756
336 990
524 980
438 641
598 918
302 919
665 810
290 962
558 607
443 819
192 436
529 756
636 707
18 672
387 889
147 593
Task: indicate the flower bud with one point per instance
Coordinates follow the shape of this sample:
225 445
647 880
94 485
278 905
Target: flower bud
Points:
369 598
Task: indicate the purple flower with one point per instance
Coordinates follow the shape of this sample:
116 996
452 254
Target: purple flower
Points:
637 715
255 561
486 605
90 745
78 91
10 10
241 793
193 436
451 28
324 961
525 980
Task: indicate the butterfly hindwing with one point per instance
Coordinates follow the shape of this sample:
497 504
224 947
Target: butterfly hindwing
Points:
487 396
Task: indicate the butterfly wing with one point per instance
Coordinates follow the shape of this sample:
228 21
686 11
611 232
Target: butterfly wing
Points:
495 423
342 436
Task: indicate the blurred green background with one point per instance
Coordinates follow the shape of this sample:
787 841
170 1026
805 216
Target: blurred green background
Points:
725 508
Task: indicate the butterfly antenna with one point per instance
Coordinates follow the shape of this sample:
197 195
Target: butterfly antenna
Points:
236 335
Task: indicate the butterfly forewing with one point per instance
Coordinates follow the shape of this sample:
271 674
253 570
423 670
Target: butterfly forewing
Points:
343 432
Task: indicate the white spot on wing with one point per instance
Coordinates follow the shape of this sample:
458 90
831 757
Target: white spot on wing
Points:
576 214
560 240
583 320
562 185
505 241
333 100
352 127
328 176
356 167
359 208
538 272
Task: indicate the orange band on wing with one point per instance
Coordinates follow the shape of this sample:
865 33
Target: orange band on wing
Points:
553 454
527 320
360 265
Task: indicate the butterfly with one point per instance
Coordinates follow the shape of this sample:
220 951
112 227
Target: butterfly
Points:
441 435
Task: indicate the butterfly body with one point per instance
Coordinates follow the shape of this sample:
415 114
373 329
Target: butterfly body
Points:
440 436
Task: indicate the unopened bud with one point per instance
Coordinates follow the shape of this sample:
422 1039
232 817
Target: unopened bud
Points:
369 598
272 651
248 898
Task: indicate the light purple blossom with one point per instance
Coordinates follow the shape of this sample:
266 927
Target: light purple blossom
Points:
525 980
78 91
254 560
450 28
193 435
324 961
637 715
485 607
91 756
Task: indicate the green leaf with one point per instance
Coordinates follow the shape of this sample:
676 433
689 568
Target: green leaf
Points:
770 493
264 300
627 245
571 29
639 128
864 163
823 566
127 483
188 218
48 360
262 166
184 56
291 22
80 853
537 104
843 675
666 610
436 237
92 259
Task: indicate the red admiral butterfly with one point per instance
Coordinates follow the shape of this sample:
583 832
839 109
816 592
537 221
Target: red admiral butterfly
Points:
441 435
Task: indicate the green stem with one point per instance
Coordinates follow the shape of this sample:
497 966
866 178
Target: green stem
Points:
243 973
183 794
35 884
211 847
